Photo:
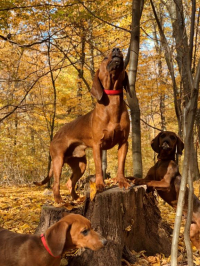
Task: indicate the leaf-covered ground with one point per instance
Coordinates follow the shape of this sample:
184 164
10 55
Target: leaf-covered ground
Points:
20 209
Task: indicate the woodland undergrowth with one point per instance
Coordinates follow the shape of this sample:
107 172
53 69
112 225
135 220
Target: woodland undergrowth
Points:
20 208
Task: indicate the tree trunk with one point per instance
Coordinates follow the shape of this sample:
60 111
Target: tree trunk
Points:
52 119
195 167
158 47
137 7
169 62
104 163
190 109
128 219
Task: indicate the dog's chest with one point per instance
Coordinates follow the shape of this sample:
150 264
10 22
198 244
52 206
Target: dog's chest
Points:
160 170
112 134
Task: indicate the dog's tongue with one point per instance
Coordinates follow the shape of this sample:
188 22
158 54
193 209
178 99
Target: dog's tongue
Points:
165 146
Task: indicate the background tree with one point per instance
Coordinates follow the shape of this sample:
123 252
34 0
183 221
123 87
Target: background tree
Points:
137 7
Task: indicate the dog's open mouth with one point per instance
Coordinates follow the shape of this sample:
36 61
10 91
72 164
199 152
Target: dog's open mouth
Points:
115 63
117 60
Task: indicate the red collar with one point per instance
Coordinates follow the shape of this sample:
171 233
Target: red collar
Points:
113 92
46 246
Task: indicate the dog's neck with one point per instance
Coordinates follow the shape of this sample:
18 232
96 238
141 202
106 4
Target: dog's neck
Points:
165 156
113 92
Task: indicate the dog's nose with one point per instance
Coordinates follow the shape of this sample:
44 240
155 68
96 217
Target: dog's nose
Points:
165 145
115 51
104 241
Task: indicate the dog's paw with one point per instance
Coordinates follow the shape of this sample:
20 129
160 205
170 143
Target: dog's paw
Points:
123 183
100 187
58 199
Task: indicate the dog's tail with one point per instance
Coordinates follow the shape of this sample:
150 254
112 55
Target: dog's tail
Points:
47 179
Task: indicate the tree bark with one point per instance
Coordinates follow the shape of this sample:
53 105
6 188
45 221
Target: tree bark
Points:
104 163
137 7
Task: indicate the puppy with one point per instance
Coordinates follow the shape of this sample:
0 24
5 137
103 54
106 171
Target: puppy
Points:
72 231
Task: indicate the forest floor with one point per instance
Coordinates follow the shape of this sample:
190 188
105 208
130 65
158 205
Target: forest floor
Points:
20 208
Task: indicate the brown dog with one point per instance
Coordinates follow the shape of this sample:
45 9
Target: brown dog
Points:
101 129
72 231
164 176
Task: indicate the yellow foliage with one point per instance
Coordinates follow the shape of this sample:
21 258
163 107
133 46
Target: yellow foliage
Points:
93 190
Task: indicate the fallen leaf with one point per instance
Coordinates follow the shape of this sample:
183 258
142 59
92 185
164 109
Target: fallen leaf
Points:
128 228
180 258
93 190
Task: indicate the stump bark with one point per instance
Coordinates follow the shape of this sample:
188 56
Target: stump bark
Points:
128 219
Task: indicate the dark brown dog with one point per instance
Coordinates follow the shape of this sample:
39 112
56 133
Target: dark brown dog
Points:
101 129
164 176
72 231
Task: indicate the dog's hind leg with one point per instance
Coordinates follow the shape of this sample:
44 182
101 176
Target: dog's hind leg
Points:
78 166
57 169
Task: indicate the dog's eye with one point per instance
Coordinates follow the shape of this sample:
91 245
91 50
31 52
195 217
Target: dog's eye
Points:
105 58
172 137
163 135
85 232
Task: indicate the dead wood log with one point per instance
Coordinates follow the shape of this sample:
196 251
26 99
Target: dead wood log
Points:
128 219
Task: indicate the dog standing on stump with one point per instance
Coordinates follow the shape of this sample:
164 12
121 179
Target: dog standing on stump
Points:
101 129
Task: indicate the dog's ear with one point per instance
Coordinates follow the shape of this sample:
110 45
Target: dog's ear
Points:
180 146
126 84
97 90
56 237
155 143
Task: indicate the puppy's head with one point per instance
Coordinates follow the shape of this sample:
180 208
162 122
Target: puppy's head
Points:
72 231
111 75
167 142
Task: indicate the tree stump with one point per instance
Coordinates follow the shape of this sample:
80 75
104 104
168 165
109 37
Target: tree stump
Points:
50 215
128 219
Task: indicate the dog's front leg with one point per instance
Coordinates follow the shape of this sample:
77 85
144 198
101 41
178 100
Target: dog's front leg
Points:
97 154
122 151
165 182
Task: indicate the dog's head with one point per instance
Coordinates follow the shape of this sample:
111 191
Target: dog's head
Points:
72 231
194 235
111 75
167 143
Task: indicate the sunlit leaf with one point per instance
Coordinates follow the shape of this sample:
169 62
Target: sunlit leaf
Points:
93 190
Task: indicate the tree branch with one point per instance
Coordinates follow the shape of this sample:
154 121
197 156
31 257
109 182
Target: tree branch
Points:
35 6
192 31
104 21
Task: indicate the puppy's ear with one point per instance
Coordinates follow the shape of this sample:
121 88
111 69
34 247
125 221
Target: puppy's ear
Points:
155 143
126 84
97 90
180 146
56 237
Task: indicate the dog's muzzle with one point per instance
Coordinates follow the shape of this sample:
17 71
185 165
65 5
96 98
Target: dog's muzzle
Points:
165 145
